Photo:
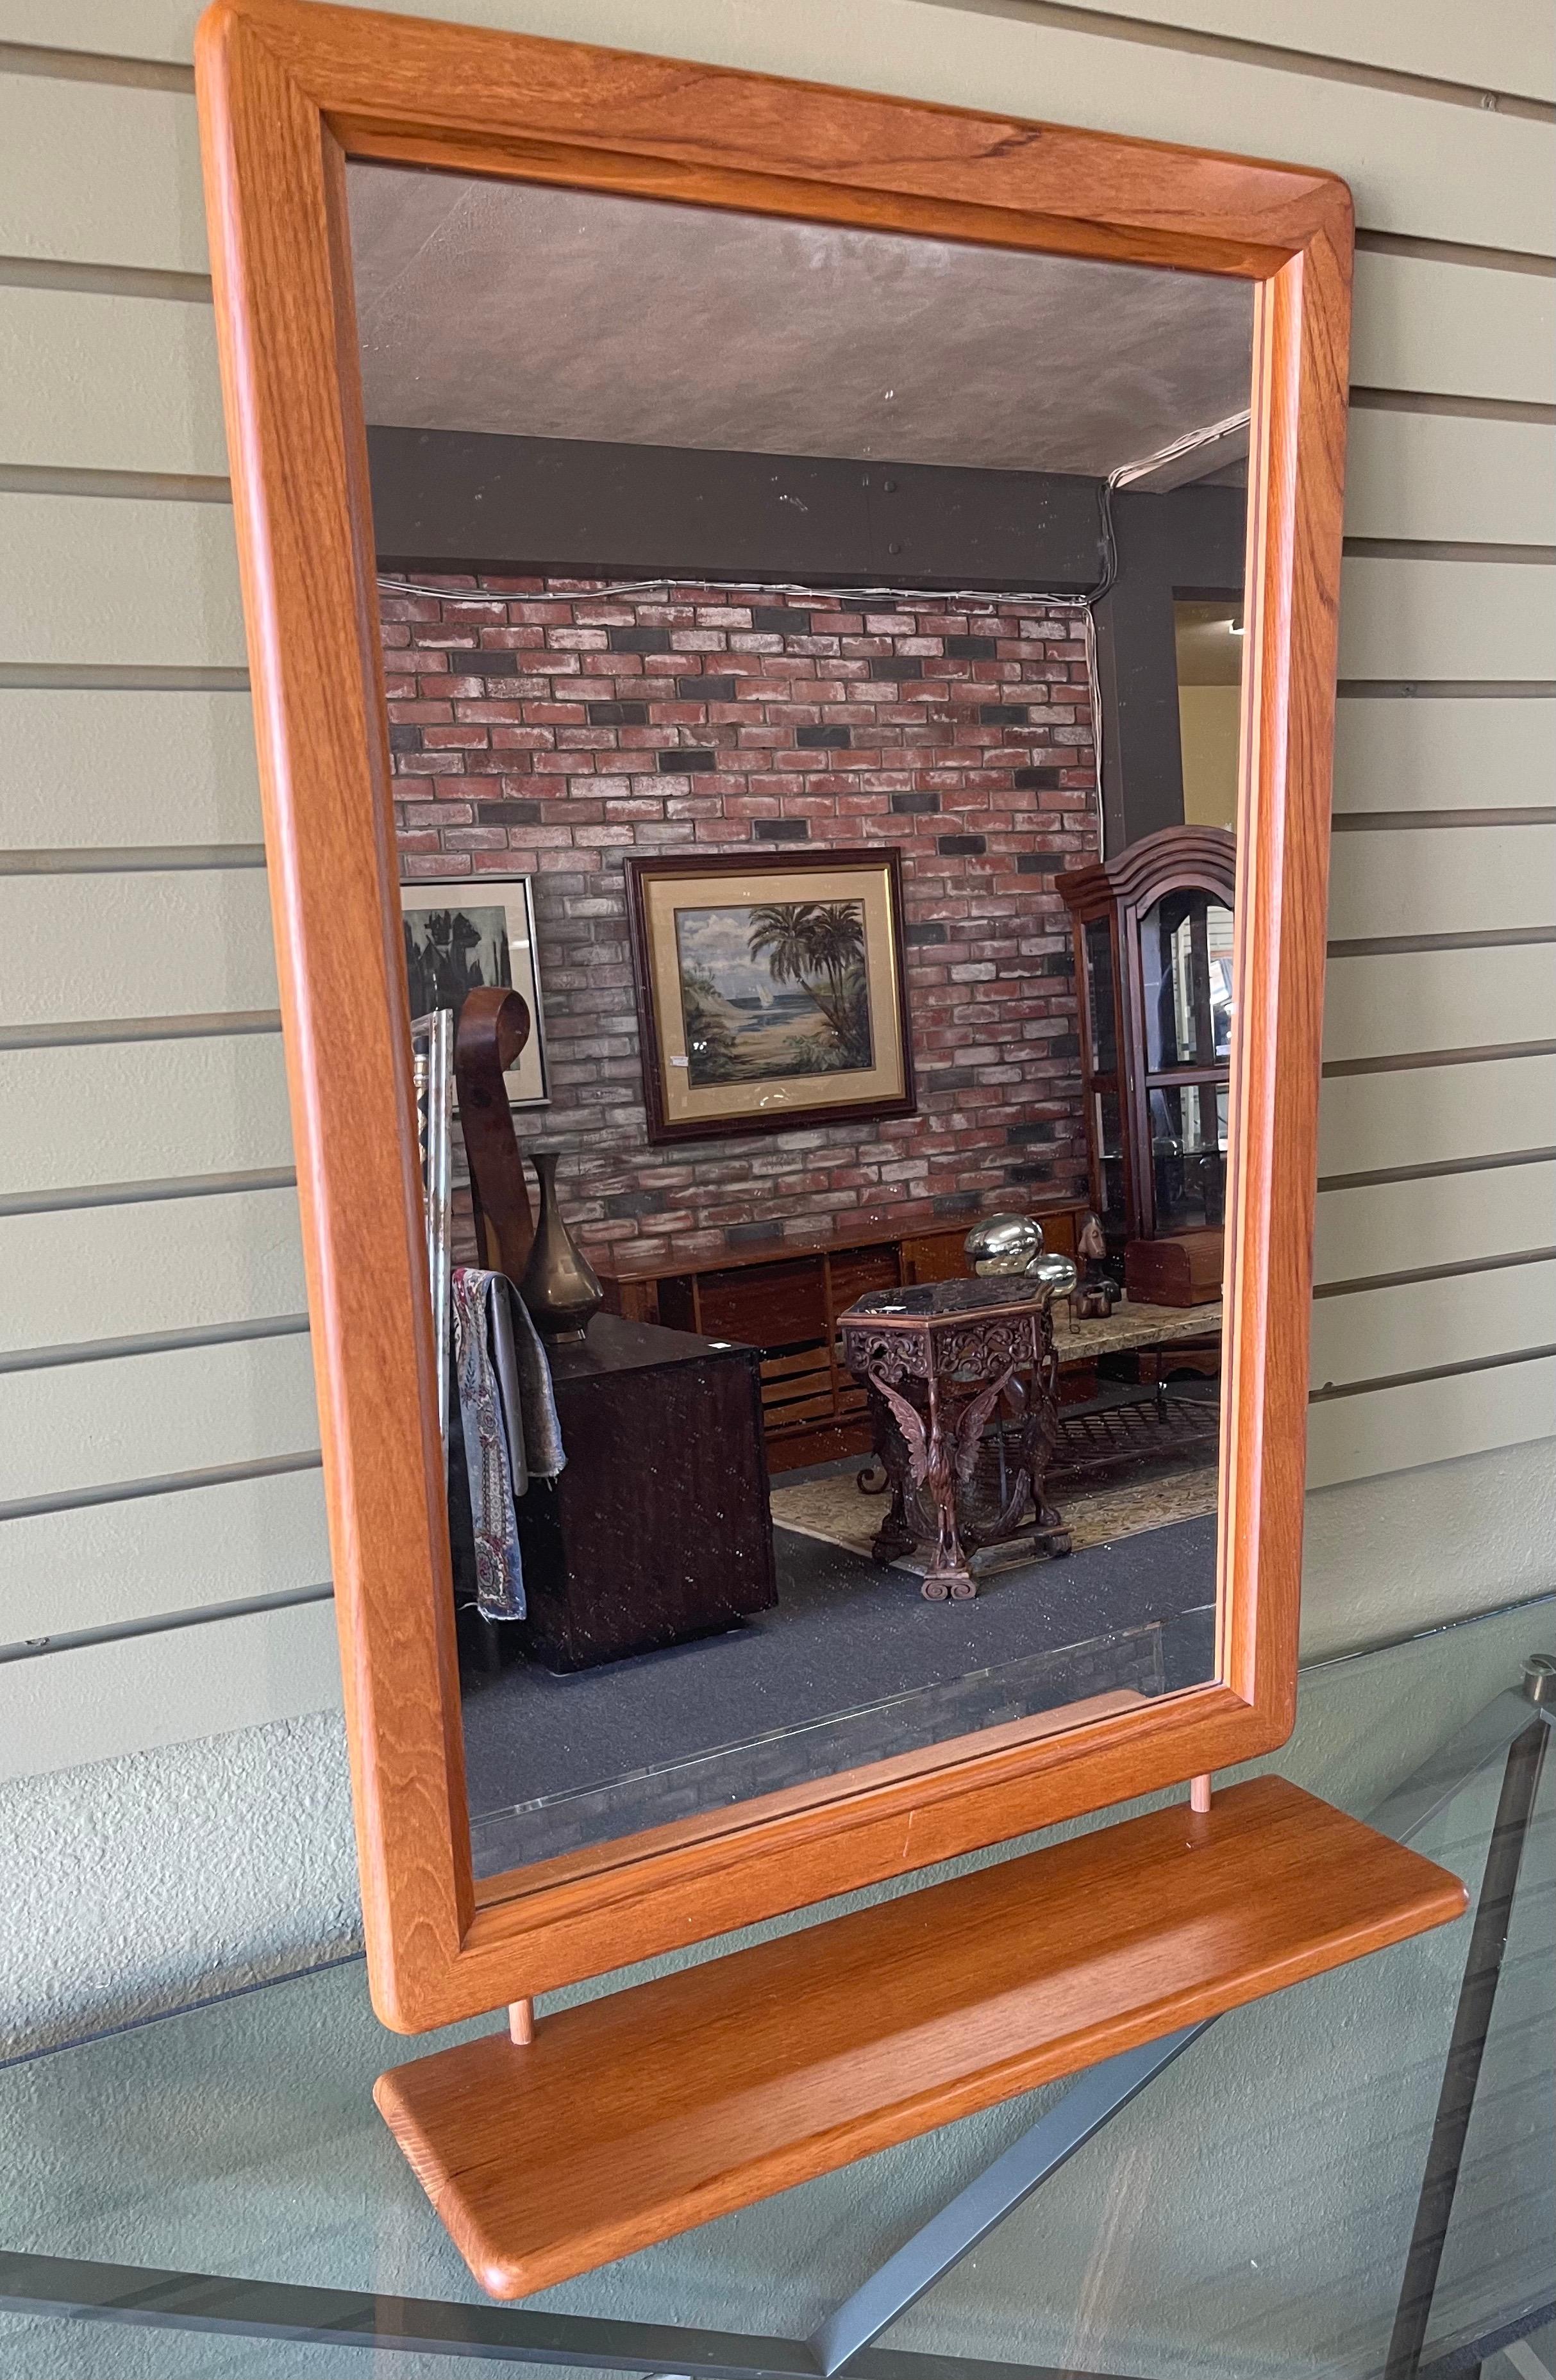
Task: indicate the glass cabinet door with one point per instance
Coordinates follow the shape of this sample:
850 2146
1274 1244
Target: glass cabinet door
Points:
1186 972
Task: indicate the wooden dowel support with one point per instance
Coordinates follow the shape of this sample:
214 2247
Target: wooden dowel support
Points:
1199 1794
522 2022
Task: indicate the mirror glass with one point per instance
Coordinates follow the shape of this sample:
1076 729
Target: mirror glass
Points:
812 664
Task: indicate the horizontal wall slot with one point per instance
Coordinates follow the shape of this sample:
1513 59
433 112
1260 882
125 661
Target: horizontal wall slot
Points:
95 66
1464 409
1339 1069
169 1482
152 1343
133 859
1447 689
1423 822
1490 937
199 1615
119 677
1436 1172
104 280
142 487
91 1033
1458 251
1332 1390
1434 1272
145 1193
1424 549
1318 64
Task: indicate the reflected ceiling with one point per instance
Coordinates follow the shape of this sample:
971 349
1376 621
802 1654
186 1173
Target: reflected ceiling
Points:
507 307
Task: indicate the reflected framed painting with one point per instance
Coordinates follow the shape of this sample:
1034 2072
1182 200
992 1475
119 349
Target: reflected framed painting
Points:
464 932
770 994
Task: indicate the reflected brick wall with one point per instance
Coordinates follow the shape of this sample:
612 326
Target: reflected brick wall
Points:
539 728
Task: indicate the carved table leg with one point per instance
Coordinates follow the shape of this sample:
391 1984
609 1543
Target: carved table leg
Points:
894 1538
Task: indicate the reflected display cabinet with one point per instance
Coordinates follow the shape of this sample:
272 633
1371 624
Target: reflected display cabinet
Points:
1153 969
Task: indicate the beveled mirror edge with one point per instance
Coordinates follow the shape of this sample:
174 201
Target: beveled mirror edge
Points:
288 88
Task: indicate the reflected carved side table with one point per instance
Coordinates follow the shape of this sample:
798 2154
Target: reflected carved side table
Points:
938 1363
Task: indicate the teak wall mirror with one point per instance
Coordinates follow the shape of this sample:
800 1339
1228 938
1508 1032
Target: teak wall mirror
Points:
301 106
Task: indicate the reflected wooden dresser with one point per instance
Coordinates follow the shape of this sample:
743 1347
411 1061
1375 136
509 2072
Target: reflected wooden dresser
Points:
784 1297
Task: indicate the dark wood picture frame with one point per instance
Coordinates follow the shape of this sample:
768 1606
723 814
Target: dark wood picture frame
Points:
287 93
643 870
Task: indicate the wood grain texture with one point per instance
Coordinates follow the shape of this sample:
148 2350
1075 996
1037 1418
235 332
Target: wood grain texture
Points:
287 91
636 2116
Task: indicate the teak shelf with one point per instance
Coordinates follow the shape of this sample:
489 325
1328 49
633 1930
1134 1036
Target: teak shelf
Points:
637 2116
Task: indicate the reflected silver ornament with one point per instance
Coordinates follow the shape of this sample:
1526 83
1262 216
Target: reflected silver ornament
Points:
1055 1274
1004 1244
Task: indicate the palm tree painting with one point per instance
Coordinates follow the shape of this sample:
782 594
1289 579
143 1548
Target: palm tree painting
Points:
777 988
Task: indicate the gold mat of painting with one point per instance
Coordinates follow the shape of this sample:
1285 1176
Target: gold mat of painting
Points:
834 1510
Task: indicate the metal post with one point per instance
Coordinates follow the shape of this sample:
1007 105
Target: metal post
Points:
1472 2023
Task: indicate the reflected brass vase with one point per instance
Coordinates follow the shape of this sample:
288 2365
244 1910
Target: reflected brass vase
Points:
560 1287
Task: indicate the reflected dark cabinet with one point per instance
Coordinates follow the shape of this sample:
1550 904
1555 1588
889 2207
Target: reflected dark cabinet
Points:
1153 969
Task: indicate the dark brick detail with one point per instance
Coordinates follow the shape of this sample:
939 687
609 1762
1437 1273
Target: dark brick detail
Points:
498 663
686 761
754 1236
635 1202
822 739
1037 781
507 813
915 805
618 714
639 640
1003 714
782 831
1020 1133
1044 863
1058 963
777 620
1029 1173
951 1078
956 1202
972 649
961 846
708 689
920 937
1064 1045
404 738
897 665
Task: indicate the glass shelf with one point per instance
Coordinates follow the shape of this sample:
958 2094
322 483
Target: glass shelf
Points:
1247 2214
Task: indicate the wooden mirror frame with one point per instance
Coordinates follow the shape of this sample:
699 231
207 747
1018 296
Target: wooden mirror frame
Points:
288 92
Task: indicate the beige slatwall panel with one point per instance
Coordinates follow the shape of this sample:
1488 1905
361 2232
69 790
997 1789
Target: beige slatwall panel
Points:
98 174
1384 1007
148 1416
1458 881
144 944
74 572
1444 754
1436 476
128 1111
1444 1220
93 1704
56 345
116 769
1509 48
156 1265
1429 1421
154 1554
1417 166
1421 325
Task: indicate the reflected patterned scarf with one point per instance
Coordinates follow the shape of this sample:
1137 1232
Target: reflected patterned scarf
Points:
508 1423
